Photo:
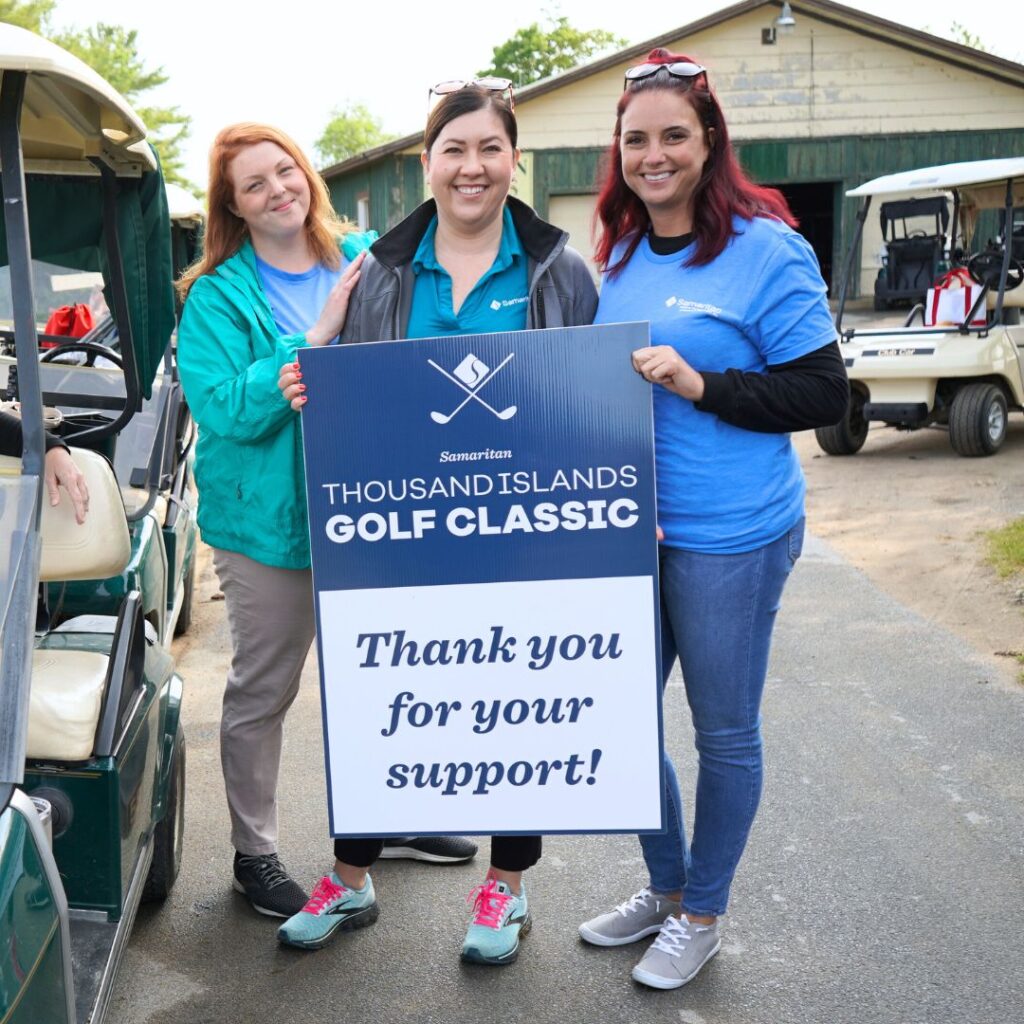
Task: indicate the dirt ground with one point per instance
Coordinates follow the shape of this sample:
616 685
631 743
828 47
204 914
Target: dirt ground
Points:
911 514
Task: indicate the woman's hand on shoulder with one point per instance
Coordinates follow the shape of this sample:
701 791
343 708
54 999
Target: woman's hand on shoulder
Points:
332 316
662 364
290 382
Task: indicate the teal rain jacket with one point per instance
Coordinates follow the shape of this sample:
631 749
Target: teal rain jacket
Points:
249 466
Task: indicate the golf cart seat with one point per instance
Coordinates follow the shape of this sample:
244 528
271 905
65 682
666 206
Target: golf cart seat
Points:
913 257
65 704
68 685
1012 298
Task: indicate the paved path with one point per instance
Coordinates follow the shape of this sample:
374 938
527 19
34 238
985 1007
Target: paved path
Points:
884 881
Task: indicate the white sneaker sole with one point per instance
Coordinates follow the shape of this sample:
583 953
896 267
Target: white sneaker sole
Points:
238 887
597 939
411 853
659 981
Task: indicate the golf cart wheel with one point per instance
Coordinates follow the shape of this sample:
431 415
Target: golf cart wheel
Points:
181 627
977 420
169 836
846 437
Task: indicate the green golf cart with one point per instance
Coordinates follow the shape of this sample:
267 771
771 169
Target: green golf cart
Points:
92 753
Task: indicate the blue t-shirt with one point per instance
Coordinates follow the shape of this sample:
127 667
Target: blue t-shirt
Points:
497 302
297 299
761 302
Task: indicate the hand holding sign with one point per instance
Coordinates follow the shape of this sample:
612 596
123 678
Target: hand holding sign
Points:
289 381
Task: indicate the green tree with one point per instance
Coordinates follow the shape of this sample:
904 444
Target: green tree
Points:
351 129
112 52
539 51
31 14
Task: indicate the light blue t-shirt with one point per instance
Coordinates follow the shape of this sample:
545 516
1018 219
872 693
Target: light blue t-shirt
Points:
297 299
761 302
498 301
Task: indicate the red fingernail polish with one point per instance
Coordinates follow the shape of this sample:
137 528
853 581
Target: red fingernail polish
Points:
302 387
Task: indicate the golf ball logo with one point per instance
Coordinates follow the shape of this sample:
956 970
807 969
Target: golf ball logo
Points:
472 375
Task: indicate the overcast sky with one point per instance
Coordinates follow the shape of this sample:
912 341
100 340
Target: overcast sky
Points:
289 63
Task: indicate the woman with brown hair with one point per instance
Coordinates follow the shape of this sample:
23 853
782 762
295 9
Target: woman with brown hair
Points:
471 260
276 274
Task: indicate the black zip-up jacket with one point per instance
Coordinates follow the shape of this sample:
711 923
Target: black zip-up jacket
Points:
561 290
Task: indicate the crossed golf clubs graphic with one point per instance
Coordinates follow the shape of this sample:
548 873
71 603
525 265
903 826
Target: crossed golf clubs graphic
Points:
471 369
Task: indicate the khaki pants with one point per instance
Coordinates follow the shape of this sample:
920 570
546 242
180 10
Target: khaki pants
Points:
270 616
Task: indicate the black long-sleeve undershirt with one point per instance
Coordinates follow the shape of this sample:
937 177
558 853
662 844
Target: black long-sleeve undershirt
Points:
812 391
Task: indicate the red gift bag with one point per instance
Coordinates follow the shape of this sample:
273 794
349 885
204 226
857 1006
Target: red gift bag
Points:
70 321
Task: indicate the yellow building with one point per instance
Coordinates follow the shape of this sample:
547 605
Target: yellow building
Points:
814 108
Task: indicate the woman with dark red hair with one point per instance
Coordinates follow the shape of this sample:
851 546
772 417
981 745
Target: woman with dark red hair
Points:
743 352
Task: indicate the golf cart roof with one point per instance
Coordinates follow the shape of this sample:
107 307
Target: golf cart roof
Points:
971 175
184 207
70 113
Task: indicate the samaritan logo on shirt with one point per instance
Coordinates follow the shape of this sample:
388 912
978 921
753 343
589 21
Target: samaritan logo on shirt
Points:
686 306
497 304
471 375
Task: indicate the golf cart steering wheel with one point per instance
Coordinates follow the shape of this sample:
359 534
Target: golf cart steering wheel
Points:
987 267
92 350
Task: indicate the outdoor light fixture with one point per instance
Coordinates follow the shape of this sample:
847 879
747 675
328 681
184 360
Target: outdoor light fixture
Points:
785 20
784 23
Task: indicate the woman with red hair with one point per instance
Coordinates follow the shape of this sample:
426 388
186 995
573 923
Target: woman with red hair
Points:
276 274
743 351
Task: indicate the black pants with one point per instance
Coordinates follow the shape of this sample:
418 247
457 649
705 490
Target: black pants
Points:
508 853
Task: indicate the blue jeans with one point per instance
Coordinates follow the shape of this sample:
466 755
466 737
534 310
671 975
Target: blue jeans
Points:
717 615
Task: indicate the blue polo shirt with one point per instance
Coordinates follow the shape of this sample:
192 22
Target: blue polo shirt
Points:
498 301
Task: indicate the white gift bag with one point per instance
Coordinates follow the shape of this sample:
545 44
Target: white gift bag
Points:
951 300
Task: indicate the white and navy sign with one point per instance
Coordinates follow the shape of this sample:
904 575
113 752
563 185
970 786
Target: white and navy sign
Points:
482 522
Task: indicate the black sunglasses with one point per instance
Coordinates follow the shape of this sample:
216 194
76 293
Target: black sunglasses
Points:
489 83
678 69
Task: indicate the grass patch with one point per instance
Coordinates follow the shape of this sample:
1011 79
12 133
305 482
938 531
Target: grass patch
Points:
1017 656
1006 548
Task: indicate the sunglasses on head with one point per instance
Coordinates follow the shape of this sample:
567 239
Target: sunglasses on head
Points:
678 69
489 83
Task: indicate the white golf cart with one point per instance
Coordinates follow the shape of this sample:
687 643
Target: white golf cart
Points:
968 374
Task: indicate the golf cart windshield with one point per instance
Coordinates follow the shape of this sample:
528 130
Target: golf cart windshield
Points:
66 228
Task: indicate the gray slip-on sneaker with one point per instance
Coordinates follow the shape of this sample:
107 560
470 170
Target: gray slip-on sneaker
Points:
641 915
676 956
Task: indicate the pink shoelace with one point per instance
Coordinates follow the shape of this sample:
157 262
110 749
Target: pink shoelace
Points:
488 904
325 892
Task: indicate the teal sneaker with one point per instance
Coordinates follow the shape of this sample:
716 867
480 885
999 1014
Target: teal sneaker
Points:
330 909
500 920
